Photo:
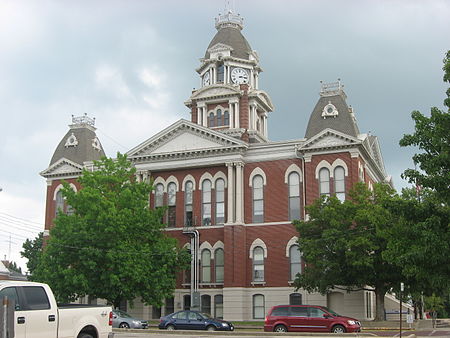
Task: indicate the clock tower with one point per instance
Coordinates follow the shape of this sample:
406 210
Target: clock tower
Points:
229 99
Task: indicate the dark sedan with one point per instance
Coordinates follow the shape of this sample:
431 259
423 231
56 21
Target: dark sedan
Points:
193 320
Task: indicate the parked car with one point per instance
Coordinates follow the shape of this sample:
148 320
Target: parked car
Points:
37 314
193 320
308 318
123 320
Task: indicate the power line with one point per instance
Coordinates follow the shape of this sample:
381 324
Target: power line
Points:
20 220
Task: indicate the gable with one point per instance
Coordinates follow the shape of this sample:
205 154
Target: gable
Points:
63 167
215 90
330 138
184 137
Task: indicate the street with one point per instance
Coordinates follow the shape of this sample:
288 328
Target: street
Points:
439 333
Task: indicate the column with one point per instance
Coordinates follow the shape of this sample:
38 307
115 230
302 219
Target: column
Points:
231 114
236 115
265 124
199 116
239 192
230 195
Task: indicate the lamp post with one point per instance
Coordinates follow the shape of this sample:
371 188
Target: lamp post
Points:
402 287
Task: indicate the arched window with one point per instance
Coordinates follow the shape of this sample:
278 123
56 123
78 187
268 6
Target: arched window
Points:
258 307
172 202
220 201
211 120
159 195
206 304
295 299
294 196
219 117
59 207
324 182
170 306
219 265
295 262
258 199
339 183
218 306
186 302
258 264
206 202
188 203
206 266
220 73
226 118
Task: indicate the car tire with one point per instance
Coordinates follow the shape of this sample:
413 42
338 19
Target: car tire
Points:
124 326
338 329
211 328
280 328
170 327
85 335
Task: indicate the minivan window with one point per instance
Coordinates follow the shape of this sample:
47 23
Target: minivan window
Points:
316 312
36 298
299 311
280 311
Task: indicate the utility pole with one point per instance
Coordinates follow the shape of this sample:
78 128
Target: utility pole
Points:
402 286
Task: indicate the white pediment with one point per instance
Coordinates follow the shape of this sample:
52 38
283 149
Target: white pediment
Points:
214 91
63 167
220 47
330 138
185 137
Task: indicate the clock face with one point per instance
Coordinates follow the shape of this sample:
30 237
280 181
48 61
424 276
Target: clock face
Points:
206 79
239 75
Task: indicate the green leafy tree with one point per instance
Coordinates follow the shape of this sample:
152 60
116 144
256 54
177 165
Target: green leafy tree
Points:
32 250
113 246
12 266
432 137
343 244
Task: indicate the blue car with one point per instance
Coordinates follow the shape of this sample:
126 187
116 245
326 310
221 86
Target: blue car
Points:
193 320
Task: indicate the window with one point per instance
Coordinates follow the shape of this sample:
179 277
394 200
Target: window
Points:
295 299
171 201
339 183
11 293
324 182
220 73
188 203
258 264
186 303
219 265
59 203
219 117
226 118
170 305
368 305
206 266
206 202
36 298
156 312
299 311
258 307
294 262
281 311
294 196
211 120
258 199
206 304
218 306
159 195
315 312
220 201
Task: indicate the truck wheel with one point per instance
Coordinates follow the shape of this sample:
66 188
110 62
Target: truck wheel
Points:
338 329
124 326
280 328
84 335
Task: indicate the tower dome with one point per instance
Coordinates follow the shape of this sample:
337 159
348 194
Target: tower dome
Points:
229 28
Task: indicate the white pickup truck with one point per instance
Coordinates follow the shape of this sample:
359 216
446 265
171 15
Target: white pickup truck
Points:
38 316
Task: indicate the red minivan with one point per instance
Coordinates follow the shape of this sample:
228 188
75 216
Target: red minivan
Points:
308 318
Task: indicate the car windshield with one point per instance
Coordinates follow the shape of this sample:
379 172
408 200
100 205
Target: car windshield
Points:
331 311
122 314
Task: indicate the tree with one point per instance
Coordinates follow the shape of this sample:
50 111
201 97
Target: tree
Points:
113 245
32 250
12 266
433 138
343 244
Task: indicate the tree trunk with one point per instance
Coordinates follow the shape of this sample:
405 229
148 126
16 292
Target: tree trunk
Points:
379 295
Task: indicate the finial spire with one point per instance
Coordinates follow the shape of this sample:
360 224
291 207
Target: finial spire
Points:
229 19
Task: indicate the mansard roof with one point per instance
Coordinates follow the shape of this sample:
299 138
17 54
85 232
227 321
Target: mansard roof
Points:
185 139
340 116
232 37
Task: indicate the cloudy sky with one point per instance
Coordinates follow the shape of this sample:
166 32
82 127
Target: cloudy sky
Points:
131 65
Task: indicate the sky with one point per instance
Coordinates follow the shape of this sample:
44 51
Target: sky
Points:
131 65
